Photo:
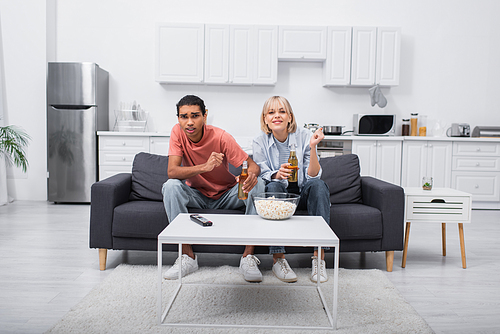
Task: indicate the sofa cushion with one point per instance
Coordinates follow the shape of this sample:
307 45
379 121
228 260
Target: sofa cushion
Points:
149 172
355 221
341 174
146 219
139 219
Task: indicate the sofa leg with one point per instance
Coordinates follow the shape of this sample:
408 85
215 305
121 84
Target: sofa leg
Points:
103 252
389 260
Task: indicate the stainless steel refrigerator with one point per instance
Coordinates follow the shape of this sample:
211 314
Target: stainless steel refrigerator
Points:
77 107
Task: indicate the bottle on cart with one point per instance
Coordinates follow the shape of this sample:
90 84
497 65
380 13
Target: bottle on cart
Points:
243 176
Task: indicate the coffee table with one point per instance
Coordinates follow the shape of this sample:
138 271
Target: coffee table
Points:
299 231
439 205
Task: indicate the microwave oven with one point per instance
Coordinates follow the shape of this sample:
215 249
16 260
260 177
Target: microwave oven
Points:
374 125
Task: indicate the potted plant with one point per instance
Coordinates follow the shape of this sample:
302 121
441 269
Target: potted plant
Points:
13 141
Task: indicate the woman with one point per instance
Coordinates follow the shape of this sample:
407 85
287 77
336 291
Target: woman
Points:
271 150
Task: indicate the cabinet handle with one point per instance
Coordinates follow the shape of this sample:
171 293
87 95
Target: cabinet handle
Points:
478 149
124 144
124 159
477 186
477 164
430 145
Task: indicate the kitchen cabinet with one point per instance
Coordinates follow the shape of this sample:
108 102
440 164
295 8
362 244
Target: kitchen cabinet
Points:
158 145
117 150
375 56
216 53
476 170
240 56
337 67
364 47
228 54
379 158
265 55
387 68
302 43
179 52
427 158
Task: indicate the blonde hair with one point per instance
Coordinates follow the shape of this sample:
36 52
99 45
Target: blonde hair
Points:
271 104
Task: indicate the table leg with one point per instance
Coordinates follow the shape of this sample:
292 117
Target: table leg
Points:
462 243
180 263
159 301
443 237
318 275
335 286
405 249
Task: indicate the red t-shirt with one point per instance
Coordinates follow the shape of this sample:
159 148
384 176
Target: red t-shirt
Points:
216 182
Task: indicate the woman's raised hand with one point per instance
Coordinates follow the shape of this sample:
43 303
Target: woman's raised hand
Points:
317 136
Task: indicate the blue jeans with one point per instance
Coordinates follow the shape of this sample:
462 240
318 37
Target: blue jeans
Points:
314 197
177 197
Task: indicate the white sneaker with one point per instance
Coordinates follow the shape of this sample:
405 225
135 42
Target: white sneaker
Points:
189 265
249 269
282 270
322 270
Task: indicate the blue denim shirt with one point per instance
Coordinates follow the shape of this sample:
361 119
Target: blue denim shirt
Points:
265 154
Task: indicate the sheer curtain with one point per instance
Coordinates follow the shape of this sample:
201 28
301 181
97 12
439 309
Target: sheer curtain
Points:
4 198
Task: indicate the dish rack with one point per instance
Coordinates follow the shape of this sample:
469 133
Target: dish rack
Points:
130 120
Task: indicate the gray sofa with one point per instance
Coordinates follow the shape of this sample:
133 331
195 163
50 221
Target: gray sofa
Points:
127 213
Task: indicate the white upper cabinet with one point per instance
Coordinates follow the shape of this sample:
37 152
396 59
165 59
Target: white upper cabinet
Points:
240 56
223 54
375 56
216 53
364 47
337 67
388 56
179 52
302 43
265 61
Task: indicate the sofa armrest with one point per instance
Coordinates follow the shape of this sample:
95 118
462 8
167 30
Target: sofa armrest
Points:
105 195
389 199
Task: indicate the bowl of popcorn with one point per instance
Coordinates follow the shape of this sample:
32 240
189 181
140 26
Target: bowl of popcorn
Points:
275 206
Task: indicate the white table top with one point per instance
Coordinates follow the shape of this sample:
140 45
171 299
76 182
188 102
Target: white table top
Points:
412 191
250 230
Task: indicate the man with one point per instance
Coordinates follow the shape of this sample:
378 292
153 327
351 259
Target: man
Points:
199 154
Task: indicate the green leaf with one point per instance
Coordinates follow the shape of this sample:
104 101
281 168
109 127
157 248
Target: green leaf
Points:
13 141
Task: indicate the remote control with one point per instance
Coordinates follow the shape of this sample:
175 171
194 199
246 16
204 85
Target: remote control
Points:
201 220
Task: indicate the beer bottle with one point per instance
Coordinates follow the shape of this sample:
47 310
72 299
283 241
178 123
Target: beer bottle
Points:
294 164
243 176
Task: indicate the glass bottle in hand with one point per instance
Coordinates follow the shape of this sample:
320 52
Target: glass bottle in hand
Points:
294 164
243 176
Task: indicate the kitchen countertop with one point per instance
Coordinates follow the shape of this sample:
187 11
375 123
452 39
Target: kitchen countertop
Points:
350 137
135 133
414 138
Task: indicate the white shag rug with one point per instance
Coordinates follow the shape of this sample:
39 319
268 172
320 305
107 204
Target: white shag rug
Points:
125 302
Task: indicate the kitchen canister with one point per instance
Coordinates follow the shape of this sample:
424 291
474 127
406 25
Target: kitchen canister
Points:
405 128
422 125
414 125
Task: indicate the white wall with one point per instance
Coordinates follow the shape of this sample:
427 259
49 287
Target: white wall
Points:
449 62
23 37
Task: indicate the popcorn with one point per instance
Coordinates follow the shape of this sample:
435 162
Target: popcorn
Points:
277 209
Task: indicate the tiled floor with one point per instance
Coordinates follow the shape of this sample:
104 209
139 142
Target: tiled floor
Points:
46 267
